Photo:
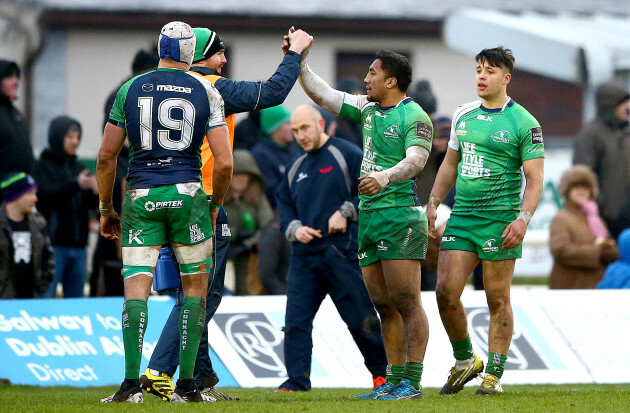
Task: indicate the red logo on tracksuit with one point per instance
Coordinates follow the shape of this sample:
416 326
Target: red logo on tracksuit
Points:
326 170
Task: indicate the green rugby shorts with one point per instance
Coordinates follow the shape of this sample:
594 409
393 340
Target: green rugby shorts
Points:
168 213
480 233
398 233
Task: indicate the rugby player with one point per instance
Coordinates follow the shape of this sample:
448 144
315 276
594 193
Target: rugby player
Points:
397 136
165 114
239 96
491 140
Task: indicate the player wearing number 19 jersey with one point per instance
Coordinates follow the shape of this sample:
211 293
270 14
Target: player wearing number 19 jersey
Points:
165 114
491 140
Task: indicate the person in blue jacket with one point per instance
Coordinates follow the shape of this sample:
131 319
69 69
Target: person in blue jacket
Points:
617 274
318 203
239 96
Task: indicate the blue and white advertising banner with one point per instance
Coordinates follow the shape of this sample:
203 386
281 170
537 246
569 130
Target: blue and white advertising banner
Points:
559 337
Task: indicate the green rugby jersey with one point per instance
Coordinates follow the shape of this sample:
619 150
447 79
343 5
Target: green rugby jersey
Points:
387 133
493 144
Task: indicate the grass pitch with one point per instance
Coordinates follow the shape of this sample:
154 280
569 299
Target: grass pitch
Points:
534 398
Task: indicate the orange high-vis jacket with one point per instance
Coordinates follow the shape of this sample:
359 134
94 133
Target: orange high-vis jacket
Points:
207 158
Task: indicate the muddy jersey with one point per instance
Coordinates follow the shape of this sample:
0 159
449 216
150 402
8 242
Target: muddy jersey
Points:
493 144
166 114
387 133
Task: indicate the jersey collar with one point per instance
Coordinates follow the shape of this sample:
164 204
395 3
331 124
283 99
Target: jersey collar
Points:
402 102
204 70
508 104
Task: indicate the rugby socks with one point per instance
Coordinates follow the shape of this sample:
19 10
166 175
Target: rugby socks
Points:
191 322
463 352
413 373
394 373
135 316
496 364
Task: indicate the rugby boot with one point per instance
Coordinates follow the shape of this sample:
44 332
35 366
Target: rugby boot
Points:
160 385
129 392
186 391
384 388
458 378
490 385
402 391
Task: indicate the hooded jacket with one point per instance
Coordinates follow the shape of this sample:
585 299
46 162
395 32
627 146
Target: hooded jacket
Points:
15 140
60 199
604 146
42 254
618 273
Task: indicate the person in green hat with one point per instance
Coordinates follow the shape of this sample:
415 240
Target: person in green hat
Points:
238 96
274 154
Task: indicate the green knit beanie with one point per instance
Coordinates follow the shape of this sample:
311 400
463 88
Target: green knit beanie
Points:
271 119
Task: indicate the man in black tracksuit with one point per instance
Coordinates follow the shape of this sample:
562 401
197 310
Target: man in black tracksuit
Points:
318 203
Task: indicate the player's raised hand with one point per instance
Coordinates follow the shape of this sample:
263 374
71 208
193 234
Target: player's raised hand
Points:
285 41
300 42
306 234
513 234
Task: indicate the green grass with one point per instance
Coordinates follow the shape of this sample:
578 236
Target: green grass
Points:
530 398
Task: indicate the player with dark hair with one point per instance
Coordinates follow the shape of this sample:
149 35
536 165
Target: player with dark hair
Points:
165 114
491 140
397 137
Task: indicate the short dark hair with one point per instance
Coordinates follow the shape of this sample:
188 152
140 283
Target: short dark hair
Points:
497 57
396 65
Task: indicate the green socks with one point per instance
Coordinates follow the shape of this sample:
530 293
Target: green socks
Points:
462 349
134 323
192 320
413 373
395 373
496 364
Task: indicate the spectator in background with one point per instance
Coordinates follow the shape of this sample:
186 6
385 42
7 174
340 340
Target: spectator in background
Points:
249 211
318 203
578 238
273 155
67 197
604 146
107 259
26 254
617 274
15 138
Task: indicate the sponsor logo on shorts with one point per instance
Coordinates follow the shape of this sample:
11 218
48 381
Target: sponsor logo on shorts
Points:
196 234
489 246
381 246
363 255
448 239
152 206
537 137
134 236
173 88
424 130
501 136
391 132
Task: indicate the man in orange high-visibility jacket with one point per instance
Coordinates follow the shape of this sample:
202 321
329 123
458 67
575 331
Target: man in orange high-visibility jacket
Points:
239 96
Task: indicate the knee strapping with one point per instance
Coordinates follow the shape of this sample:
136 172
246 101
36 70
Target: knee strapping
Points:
194 259
139 260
